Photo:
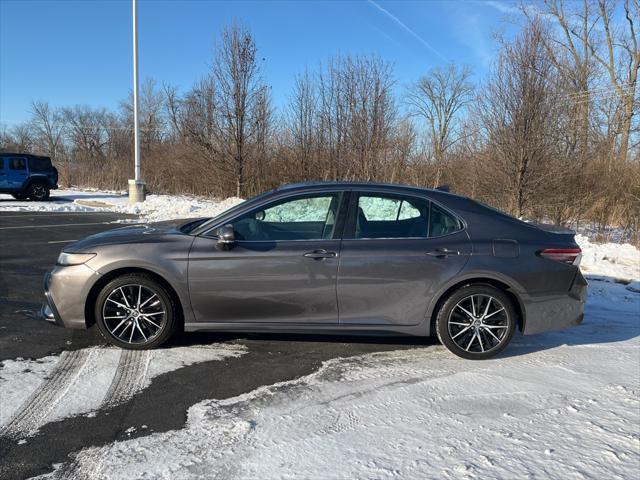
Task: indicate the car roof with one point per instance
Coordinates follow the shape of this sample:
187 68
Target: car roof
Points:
30 155
332 184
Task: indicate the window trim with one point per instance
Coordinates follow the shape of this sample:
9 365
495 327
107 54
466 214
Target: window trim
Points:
338 226
350 226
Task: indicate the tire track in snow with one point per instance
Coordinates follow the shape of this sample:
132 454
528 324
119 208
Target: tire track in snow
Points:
43 401
129 377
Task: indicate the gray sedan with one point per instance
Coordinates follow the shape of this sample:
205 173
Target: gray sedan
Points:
326 258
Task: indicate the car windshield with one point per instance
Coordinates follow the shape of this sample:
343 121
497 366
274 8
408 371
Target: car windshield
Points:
200 227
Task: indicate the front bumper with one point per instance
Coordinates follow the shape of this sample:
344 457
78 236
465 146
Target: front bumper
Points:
65 292
556 311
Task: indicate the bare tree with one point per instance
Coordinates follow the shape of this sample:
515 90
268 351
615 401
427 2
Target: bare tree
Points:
517 112
439 98
302 116
47 124
622 63
568 48
237 74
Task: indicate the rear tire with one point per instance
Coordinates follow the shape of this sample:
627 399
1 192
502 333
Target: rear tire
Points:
136 312
476 322
38 191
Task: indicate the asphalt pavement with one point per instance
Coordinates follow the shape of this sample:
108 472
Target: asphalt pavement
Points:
29 245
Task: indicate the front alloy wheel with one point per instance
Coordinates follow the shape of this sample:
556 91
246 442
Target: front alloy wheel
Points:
476 322
135 312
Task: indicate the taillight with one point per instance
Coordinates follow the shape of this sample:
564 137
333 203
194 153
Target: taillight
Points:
570 256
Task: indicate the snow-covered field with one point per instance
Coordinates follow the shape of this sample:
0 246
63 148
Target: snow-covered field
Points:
555 405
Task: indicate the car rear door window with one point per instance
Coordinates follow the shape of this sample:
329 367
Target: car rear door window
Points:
307 218
17 163
391 216
442 222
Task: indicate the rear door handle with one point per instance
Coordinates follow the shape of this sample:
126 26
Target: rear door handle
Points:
320 254
442 252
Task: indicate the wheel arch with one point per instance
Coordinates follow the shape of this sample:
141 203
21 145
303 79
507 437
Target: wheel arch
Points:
36 179
89 306
479 280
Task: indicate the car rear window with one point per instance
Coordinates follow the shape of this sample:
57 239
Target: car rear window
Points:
39 164
442 222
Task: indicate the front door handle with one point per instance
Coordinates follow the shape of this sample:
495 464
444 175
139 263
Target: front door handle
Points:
320 254
442 252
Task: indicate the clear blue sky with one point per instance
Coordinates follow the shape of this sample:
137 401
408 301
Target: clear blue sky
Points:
79 52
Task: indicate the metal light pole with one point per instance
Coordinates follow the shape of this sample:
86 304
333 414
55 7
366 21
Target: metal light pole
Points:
136 186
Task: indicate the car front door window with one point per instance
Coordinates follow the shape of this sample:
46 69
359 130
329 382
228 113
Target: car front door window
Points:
307 218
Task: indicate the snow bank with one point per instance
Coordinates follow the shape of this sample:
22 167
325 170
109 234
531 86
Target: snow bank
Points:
618 261
155 209
165 207
558 405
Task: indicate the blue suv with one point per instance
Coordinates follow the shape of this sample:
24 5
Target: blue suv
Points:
27 176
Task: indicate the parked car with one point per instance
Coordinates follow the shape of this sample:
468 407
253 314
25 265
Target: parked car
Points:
326 258
27 176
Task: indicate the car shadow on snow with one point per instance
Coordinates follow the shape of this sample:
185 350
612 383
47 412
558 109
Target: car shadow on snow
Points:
612 315
204 338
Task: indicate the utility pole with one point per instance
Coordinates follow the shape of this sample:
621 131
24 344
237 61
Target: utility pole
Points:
136 186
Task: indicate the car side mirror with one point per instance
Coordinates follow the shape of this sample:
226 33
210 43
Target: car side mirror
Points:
225 234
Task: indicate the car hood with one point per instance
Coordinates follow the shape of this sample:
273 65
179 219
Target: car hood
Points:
146 233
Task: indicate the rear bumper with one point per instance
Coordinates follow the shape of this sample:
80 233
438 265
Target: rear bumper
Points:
556 311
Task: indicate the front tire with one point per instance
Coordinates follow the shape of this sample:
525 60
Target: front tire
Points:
136 312
476 322
38 191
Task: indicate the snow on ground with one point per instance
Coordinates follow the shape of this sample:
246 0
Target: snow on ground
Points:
555 405
620 261
89 389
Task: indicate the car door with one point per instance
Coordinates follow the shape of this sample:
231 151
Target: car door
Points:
281 268
16 172
396 251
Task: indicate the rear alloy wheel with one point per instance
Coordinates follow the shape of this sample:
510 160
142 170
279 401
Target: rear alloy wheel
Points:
135 312
38 191
476 322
